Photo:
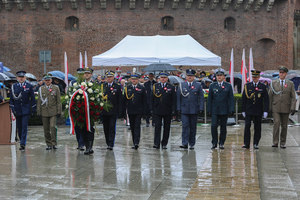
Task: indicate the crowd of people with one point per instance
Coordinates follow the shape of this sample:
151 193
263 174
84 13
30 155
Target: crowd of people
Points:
134 96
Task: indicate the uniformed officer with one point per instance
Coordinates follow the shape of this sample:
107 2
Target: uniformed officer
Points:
282 104
255 105
22 103
49 107
190 102
164 102
149 87
135 103
112 91
220 103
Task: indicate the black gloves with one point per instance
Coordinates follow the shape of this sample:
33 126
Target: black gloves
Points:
293 112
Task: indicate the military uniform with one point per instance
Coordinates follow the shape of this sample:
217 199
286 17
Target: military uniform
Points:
282 103
255 103
220 103
49 106
190 102
135 103
114 96
164 102
22 103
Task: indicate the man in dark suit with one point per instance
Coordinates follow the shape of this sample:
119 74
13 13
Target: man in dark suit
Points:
136 103
190 102
112 91
220 103
255 105
149 87
22 103
164 101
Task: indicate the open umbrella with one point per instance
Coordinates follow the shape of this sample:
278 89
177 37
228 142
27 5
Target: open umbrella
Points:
61 75
4 77
175 79
159 67
30 76
10 75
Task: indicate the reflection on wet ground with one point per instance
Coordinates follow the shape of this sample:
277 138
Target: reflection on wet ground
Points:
148 173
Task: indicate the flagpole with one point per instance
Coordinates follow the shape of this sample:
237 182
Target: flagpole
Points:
80 60
243 71
231 70
85 59
66 71
251 67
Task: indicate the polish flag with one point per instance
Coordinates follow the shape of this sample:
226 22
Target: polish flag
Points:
80 61
85 60
66 71
231 70
243 70
251 67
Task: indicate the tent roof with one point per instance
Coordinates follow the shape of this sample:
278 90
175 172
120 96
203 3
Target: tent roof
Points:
145 50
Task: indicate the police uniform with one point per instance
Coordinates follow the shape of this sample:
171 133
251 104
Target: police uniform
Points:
255 104
164 102
149 91
49 106
135 103
190 102
22 103
114 96
220 103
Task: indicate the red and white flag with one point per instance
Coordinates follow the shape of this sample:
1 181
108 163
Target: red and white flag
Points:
66 71
251 67
85 60
243 70
80 61
231 70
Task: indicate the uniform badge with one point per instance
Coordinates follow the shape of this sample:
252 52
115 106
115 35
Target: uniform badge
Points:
193 87
165 88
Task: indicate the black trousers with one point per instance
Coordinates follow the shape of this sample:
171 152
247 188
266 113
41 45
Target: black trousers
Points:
109 126
257 129
87 136
135 127
166 131
217 120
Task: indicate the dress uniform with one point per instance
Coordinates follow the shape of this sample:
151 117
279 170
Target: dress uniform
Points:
49 107
149 87
282 103
135 103
190 102
255 105
22 103
220 103
113 93
164 102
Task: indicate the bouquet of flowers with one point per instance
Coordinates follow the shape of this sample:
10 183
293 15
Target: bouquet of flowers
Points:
84 103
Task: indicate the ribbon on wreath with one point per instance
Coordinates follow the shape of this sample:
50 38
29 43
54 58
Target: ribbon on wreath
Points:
86 111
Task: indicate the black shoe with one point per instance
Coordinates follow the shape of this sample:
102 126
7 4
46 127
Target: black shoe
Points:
246 147
87 152
155 147
214 146
54 147
109 148
275 145
255 146
48 148
22 148
136 146
81 148
192 147
164 147
147 125
184 146
282 146
221 146
91 151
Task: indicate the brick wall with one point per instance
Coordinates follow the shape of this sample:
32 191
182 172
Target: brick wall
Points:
24 33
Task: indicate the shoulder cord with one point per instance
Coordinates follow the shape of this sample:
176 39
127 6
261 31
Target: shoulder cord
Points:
44 101
275 92
127 94
156 95
246 92
184 95
13 94
102 90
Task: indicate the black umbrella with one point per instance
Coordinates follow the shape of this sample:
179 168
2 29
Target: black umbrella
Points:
175 79
159 67
11 76
4 77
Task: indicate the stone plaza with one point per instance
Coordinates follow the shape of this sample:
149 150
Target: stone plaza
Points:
147 173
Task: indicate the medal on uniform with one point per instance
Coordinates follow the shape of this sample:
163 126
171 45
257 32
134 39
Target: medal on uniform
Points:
24 86
165 88
256 88
50 90
285 85
193 87
223 87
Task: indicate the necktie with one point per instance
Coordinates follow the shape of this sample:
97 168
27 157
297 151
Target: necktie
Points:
255 85
190 85
281 84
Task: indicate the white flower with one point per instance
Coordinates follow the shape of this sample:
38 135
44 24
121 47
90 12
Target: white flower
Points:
70 89
75 84
96 91
90 90
66 97
101 104
67 106
83 84
90 84
78 97
101 94
97 96
92 98
80 91
74 90
82 97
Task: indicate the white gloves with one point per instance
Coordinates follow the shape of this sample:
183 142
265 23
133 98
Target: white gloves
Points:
244 114
265 115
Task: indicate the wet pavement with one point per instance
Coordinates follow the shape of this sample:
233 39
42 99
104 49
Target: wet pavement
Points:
147 173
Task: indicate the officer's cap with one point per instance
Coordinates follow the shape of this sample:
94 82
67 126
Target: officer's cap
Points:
255 73
88 70
203 72
110 73
135 76
283 69
163 74
21 73
47 76
80 71
220 72
190 72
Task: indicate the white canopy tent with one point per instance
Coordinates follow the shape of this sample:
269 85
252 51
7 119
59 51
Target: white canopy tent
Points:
145 50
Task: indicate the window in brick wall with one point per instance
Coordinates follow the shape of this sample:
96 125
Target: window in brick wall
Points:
72 23
229 23
266 43
167 23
